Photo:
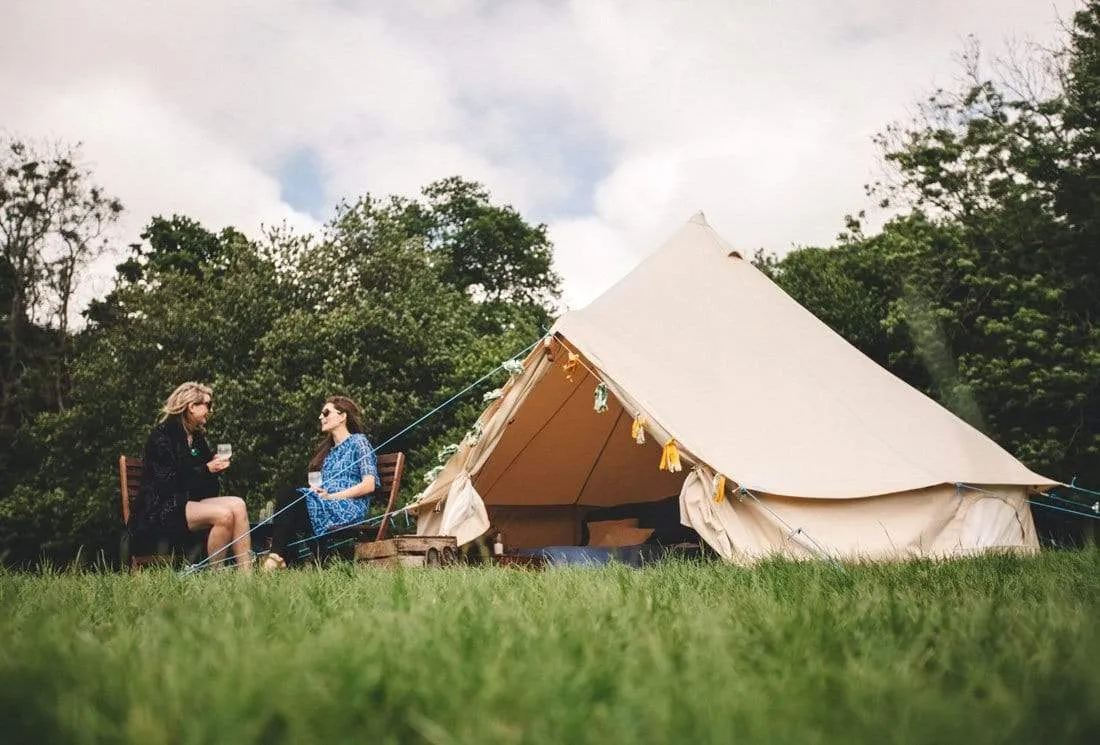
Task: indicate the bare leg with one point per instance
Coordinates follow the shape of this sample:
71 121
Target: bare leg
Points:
242 540
216 517
228 522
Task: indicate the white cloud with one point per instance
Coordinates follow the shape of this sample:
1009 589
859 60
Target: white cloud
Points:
611 120
761 115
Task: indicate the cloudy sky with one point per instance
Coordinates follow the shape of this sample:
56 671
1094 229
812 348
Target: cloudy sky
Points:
610 120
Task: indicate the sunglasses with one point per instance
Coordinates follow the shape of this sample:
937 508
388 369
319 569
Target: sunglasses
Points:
327 412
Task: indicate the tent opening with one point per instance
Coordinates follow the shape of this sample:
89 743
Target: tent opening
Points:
566 475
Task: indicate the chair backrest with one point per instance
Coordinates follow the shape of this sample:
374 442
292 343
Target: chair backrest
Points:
129 478
391 467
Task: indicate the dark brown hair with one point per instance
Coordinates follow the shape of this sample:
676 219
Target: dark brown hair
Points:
344 405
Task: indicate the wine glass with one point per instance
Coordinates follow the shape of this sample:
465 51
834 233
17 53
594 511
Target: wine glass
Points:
314 479
225 450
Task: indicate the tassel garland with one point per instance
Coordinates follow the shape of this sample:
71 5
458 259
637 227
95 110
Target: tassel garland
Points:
719 488
570 366
600 403
670 458
637 429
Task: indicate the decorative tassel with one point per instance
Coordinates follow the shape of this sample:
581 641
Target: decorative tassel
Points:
513 367
637 429
433 474
600 403
445 454
670 458
492 395
719 488
570 366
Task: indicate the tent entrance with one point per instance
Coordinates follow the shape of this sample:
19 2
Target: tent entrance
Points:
559 464
572 525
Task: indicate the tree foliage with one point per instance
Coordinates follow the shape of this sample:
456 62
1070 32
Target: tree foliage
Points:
984 289
52 223
371 308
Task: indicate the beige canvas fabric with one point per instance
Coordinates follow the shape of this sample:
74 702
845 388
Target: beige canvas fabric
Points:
754 385
937 521
749 385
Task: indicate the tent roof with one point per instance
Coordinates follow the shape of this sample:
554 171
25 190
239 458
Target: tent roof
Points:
751 383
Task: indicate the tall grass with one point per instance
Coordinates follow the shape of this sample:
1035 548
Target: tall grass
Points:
996 649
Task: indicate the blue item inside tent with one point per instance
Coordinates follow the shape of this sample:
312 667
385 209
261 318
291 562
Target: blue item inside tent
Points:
634 556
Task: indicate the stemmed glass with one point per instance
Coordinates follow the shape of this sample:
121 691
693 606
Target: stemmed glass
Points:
225 450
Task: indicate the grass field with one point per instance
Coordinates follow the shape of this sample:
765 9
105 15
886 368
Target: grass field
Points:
998 649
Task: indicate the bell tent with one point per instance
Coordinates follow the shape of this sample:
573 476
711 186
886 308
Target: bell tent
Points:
697 383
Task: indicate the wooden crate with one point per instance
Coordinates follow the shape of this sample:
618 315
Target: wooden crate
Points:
410 551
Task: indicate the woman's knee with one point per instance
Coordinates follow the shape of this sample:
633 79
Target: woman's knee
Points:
222 517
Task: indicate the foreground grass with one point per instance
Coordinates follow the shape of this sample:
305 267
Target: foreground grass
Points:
998 649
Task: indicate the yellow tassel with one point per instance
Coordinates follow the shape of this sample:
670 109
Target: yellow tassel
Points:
637 429
670 458
719 488
570 366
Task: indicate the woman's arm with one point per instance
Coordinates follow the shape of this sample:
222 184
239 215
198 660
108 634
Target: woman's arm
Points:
368 471
362 489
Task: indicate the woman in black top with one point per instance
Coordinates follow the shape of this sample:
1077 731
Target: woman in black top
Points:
179 485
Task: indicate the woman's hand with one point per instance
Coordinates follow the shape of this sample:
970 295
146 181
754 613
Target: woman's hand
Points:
217 465
321 492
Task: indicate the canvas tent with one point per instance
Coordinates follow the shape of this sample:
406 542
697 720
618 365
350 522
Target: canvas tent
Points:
822 452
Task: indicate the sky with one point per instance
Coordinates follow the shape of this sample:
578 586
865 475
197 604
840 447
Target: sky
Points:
611 121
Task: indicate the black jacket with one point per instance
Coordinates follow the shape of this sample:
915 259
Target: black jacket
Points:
173 474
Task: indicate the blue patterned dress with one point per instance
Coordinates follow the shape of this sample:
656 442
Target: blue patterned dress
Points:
346 465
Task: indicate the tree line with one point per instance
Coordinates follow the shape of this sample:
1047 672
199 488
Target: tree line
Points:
398 303
982 290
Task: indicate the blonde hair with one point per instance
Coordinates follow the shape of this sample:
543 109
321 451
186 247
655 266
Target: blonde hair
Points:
185 394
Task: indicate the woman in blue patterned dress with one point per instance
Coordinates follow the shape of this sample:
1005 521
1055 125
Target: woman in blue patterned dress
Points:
349 475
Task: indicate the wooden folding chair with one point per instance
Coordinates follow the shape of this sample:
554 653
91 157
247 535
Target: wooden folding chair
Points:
391 469
130 470
129 477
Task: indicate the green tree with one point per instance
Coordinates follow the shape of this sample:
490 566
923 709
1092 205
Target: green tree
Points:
986 286
366 309
52 224
486 249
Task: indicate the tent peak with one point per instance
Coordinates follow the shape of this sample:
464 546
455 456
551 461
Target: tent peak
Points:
701 220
